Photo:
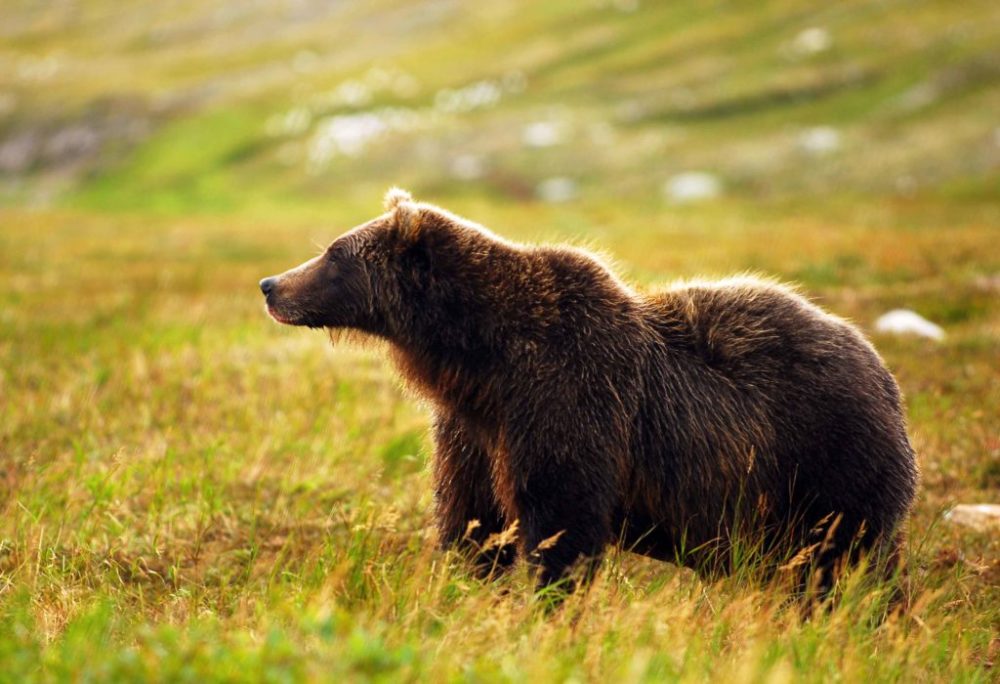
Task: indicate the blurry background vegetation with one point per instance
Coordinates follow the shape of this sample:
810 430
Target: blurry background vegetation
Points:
208 106
188 490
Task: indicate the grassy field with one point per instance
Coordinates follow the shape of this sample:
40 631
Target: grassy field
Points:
189 492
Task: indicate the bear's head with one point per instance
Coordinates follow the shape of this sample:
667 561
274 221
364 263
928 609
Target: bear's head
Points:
376 277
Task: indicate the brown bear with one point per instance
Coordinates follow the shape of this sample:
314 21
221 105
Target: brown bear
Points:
676 423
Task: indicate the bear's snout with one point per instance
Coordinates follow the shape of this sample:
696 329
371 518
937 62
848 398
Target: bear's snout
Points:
275 309
267 285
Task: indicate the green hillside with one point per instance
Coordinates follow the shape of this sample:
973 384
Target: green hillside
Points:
223 106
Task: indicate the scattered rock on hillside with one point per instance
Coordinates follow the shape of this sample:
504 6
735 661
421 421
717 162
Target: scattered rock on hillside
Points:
19 152
811 41
987 283
979 517
467 167
543 134
72 145
692 186
557 189
906 322
820 140
478 95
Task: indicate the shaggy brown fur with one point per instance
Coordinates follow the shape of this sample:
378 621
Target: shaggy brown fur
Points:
674 423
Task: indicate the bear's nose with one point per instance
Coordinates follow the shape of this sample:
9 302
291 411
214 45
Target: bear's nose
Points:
267 284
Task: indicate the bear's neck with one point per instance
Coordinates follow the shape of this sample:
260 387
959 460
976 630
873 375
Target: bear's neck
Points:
447 377
457 341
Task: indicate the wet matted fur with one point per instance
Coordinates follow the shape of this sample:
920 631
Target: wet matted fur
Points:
675 422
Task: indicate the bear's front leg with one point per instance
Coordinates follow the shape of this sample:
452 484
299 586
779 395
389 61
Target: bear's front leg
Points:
562 534
467 512
564 490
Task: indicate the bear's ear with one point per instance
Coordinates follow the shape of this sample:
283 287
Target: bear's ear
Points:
405 212
394 197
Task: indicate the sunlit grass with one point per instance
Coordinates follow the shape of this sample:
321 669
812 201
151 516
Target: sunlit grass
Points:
192 491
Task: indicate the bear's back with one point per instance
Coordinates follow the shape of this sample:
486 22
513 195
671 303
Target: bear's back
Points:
753 362
747 320
753 384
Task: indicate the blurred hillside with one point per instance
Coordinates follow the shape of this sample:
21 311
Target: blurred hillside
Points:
253 105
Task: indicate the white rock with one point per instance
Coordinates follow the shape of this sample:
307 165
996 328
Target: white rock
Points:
692 186
977 516
820 140
987 283
906 322
18 153
557 189
352 94
467 167
478 95
811 41
542 134
348 135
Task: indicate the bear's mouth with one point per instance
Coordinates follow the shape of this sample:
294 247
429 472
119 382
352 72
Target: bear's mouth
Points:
279 316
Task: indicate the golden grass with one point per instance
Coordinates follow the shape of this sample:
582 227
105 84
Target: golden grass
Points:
191 491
